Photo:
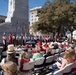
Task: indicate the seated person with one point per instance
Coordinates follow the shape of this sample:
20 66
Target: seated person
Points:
46 45
23 59
69 57
10 55
29 53
37 54
10 68
55 46
34 50
42 50
27 46
48 52
72 55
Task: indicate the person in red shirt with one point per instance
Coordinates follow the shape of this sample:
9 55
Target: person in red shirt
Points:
21 39
27 46
34 50
46 46
10 38
36 47
23 59
41 50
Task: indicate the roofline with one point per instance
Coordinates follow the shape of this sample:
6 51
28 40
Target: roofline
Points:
35 8
3 16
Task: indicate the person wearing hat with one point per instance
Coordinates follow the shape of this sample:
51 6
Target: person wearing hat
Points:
10 55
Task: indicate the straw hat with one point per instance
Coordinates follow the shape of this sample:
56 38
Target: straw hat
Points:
10 48
50 46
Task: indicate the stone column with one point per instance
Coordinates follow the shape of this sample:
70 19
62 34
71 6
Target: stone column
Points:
18 14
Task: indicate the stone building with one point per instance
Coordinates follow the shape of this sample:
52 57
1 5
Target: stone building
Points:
33 15
17 18
2 18
33 18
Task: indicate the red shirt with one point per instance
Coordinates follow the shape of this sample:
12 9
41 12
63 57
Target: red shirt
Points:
10 39
43 50
46 46
27 46
34 51
22 61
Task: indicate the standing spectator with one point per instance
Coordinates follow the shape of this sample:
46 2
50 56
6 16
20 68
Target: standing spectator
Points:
15 42
10 38
17 38
4 38
24 38
4 42
21 39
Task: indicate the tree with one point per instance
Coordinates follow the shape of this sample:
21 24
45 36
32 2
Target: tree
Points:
56 16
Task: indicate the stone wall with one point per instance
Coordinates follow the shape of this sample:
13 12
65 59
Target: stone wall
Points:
17 18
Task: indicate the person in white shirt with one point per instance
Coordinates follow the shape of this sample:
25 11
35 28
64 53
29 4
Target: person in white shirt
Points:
4 38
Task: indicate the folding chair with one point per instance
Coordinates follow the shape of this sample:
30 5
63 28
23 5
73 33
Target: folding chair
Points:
67 69
29 66
57 51
59 72
39 64
49 60
73 67
61 54
55 57
53 51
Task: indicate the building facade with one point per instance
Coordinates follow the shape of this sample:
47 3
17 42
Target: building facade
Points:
2 18
33 17
17 18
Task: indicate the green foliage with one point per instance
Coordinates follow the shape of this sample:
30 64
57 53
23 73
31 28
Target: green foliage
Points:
56 16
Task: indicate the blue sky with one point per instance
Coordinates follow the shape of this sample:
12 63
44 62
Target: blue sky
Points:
32 3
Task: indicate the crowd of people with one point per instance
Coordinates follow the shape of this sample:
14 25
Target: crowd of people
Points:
20 39
13 39
8 65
